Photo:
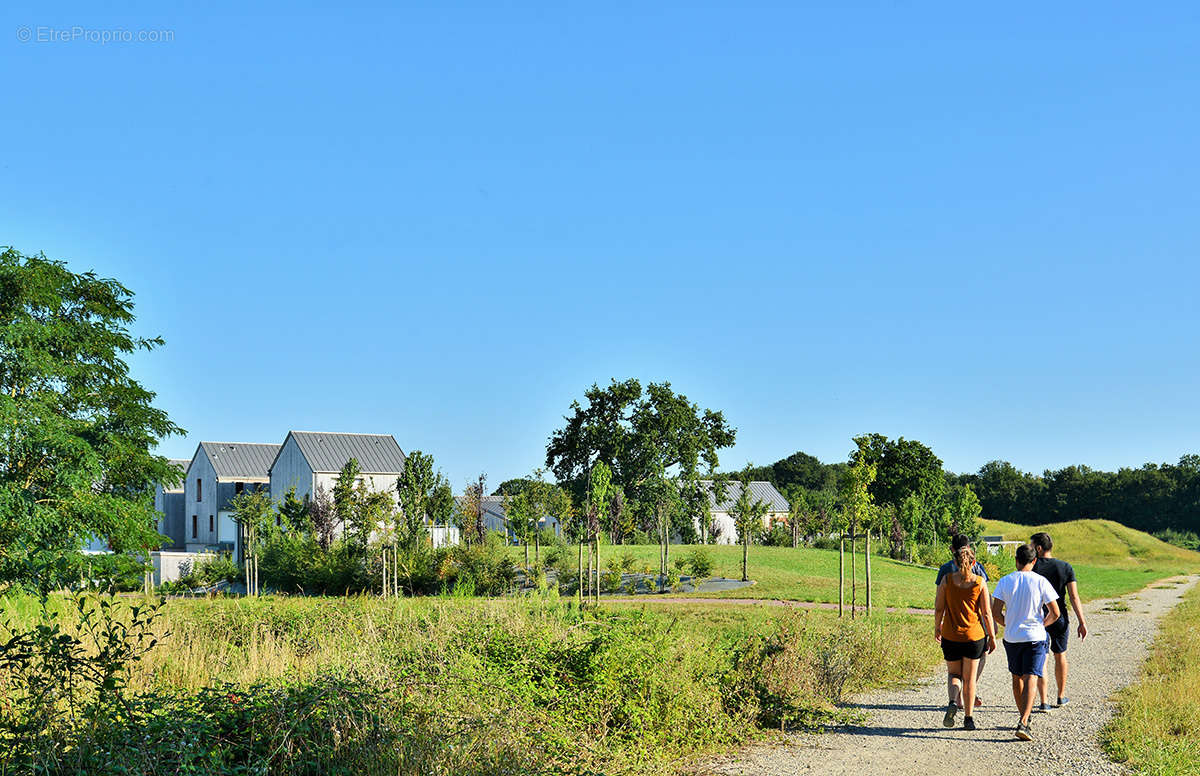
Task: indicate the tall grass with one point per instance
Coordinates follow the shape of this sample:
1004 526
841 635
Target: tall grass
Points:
469 686
1157 727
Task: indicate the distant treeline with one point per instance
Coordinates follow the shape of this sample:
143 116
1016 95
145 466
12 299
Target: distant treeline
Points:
1152 498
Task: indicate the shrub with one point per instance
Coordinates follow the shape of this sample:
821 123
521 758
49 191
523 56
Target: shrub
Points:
210 571
826 543
610 580
626 562
701 563
779 535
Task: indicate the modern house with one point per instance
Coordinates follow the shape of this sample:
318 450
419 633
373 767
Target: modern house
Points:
495 518
308 460
169 501
218 472
722 513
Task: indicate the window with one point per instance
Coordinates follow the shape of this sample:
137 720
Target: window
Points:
199 488
210 523
194 527
237 487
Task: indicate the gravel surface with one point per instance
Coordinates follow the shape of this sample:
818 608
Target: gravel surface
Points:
903 733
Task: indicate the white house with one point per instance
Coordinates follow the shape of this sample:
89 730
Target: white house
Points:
218 472
310 459
722 513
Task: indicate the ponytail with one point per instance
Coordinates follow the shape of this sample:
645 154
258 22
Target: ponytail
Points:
965 558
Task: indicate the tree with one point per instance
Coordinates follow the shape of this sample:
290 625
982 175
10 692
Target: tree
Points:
964 513
469 516
323 514
253 511
903 466
344 486
747 514
414 488
75 457
599 483
798 516
661 501
635 434
522 518
294 513
858 505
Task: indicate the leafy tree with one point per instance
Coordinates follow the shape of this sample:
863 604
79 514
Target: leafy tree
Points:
254 512
511 487
344 487
599 484
522 518
858 505
635 434
661 500
323 514
903 466
747 514
469 515
964 513
798 516
414 488
75 457
295 514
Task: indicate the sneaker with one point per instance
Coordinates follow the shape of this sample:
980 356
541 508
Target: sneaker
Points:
968 723
948 720
1062 702
1043 708
1023 732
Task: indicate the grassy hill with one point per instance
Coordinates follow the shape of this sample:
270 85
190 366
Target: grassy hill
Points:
1109 559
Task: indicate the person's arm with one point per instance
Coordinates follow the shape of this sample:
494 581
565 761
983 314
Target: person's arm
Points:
1073 592
989 625
998 610
939 609
1051 614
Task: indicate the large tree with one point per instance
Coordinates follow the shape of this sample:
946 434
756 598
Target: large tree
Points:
902 467
636 434
76 430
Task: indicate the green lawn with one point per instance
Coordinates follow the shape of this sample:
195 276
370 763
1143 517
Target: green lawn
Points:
1109 558
802 574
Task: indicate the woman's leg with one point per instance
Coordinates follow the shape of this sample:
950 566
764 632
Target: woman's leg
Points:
968 684
954 669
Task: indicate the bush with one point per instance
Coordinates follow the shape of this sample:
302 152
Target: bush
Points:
113 572
779 535
210 571
701 563
826 543
626 562
610 581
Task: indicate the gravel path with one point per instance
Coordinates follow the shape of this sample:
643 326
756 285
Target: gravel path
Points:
904 734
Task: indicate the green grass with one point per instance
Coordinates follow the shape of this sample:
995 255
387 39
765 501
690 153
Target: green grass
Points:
802 574
1157 727
1109 559
483 686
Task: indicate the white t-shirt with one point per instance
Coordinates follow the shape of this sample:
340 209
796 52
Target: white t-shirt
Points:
1024 593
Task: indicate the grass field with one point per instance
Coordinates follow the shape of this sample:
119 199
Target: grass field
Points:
478 686
802 574
1157 727
1109 558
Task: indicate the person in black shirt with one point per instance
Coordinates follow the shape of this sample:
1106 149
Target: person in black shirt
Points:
1062 578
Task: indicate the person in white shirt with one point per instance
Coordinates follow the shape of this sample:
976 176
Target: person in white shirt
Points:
1032 604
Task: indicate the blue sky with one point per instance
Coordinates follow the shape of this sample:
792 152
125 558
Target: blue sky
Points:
972 227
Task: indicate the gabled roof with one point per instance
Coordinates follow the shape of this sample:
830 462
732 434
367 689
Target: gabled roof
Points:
182 465
241 461
327 451
763 491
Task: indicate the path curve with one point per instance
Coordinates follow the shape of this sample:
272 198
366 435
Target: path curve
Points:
903 734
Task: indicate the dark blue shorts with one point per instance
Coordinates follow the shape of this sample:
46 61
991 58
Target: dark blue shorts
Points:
1057 635
1025 657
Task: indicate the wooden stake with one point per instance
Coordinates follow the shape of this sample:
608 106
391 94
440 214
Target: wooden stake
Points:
868 573
841 575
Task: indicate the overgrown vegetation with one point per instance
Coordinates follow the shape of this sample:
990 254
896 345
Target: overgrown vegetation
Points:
361 685
1157 726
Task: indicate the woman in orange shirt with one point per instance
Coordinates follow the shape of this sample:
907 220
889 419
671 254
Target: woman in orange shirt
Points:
962 623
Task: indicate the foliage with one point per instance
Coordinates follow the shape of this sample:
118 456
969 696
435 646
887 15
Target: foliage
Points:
902 466
747 513
415 489
1187 539
635 434
210 571
1157 725
75 457
858 505
700 562
295 515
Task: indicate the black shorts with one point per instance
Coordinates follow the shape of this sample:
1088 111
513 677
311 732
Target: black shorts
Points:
1056 637
957 650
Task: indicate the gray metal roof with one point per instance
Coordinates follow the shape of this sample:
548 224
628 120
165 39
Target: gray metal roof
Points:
328 452
182 465
763 491
240 460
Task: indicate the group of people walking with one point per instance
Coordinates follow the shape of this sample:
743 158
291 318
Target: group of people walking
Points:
1031 605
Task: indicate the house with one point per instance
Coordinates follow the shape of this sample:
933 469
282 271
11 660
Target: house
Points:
308 460
218 472
169 500
722 513
495 518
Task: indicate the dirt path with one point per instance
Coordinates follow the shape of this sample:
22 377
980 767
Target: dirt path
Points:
903 733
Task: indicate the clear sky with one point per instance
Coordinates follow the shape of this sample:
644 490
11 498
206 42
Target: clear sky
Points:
975 227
